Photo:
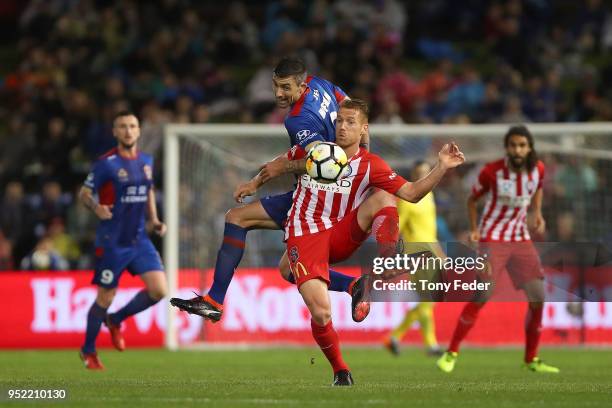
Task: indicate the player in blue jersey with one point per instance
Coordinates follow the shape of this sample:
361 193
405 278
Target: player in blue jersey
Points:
123 182
313 104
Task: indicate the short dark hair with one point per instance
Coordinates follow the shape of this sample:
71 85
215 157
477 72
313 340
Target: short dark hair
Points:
357 104
291 66
521 130
123 113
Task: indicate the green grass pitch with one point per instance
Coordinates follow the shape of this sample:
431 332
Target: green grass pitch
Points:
301 377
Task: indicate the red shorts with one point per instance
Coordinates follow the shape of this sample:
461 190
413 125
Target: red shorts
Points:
310 255
520 259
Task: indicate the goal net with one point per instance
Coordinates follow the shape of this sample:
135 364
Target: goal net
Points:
204 163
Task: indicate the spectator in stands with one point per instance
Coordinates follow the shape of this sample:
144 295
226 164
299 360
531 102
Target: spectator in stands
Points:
65 245
44 258
78 63
50 204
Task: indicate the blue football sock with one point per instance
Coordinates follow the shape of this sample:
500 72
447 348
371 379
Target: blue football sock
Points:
95 317
228 258
140 302
339 282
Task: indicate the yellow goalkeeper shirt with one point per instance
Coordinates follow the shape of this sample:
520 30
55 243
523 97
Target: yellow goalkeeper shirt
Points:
418 221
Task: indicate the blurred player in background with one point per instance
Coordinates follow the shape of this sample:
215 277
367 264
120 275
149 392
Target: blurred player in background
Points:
313 104
418 227
335 231
513 184
123 181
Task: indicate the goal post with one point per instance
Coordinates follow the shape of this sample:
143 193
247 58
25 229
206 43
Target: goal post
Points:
203 164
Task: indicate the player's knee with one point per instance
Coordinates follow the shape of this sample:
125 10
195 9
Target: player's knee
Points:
234 216
105 297
535 292
321 315
158 293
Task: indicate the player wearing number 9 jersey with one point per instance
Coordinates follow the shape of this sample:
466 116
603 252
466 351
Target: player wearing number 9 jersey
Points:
123 182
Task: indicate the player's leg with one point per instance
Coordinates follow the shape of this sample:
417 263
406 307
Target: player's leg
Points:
534 290
356 287
315 295
428 328
498 256
308 258
146 263
422 313
95 318
346 237
378 214
466 321
392 340
109 265
339 282
155 289
238 221
526 273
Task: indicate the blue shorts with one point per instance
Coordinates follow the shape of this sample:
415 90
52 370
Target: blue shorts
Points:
112 261
278 207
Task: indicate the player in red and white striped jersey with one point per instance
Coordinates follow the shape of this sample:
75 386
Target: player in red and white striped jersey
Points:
328 222
505 213
317 207
513 184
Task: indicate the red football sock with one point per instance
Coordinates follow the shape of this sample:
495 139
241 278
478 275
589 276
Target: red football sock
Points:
464 324
385 228
533 327
327 339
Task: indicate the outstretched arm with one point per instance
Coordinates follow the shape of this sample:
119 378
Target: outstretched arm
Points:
449 157
272 169
283 165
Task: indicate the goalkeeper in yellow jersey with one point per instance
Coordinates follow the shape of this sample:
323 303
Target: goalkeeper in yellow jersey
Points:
419 232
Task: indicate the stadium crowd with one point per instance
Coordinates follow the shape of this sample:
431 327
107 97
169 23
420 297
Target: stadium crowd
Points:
435 61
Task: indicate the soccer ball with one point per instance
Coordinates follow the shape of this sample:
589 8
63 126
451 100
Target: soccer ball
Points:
326 162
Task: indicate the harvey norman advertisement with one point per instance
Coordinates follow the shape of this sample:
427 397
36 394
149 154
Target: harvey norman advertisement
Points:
48 310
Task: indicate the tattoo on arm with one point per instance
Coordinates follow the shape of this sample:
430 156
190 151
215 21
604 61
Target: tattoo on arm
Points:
88 200
296 166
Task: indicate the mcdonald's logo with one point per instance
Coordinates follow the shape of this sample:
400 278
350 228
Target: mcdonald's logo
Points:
298 269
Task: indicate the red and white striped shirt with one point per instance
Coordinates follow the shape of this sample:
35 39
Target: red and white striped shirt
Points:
317 207
505 212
